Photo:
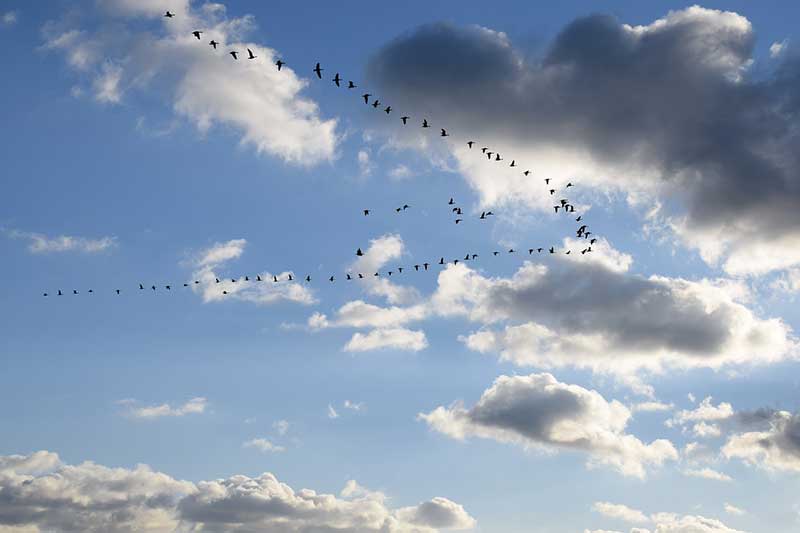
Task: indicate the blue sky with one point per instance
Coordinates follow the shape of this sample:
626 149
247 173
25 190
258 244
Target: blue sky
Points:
647 386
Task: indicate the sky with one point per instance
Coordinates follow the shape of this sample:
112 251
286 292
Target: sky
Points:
649 385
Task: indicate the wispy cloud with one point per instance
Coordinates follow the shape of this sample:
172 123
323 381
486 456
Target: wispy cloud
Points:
263 445
39 243
194 406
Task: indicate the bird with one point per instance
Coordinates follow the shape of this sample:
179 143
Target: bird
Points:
258 278
556 207
495 253
527 172
451 202
530 251
246 278
474 256
168 287
498 158
91 291
348 277
568 185
45 294
376 103
513 163
489 214
441 261
547 181
425 123
153 287
117 291
399 209
466 257
291 278
330 279
483 150
483 215
279 64
592 241
390 272
400 270
425 265
275 279
361 276
213 44
197 34
366 96
351 85
337 79
405 120
455 261
459 220
511 250
359 253
141 287
539 250
405 206
366 212
308 279
224 292
216 280
444 133
318 70
458 211
489 154
74 291
234 53
552 192
579 218
250 54
416 267
388 109
568 252
552 250
169 15
470 143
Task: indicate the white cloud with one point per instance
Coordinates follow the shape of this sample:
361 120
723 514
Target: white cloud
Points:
380 253
263 445
194 406
9 18
40 493
649 407
389 338
691 397
365 165
332 414
672 523
400 172
281 426
209 261
707 473
705 430
42 244
732 509
777 48
704 412
775 447
205 86
538 412
353 406
621 512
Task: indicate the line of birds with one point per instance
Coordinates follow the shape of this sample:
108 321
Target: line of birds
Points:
582 232
563 205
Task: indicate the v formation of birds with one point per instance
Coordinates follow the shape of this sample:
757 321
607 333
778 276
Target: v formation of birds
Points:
562 206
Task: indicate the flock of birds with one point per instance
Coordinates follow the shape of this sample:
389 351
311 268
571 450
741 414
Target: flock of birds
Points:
563 204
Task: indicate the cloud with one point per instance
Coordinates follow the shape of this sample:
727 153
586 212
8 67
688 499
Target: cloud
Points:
705 411
365 166
156 55
777 48
353 406
42 244
651 407
9 18
707 473
672 523
42 493
693 128
400 172
391 338
732 509
194 406
539 412
263 445
621 512
207 263
281 426
380 253
775 443
332 414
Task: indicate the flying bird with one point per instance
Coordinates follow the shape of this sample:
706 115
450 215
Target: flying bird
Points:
470 143
351 85
513 163
404 119
197 34
308 279
425 265
318 70
366 212
498 158
388 109
527 172
444 133
169 15
376 103
250 54
451 202
568 185
359 253
337 79
366 96
425 123
459 220
213 44
279 64
234 53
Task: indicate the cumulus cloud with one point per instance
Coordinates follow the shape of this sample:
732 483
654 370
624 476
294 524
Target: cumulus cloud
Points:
41 493
621 512
263 445
694 129
391 338
707 473
732 509
706 411
539 412
380 253
266 107
194 406
773 443
40 243
209 261
777 48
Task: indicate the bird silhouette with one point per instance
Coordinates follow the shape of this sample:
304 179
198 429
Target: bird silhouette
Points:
250 54
556 207
405 120
308 279
459 220
425 123
351 85
279 64
59 292
117 291
234 53
470 143
359 253
366 96
168 287
425 265
495 253
483 150
416 267
552 192
579 218
224 292
216 280
552 250
527 172
405 206
376 103
513 163
568 185
483 215
330 279
291 278
451 202
348 277
366 212
258 278
361 276
169 15
547 181
498 158
197 34
318 70
511 250
388 109
213 44
141 287
489 154
275 279
337 79
45 294
74 291
444 132
441 261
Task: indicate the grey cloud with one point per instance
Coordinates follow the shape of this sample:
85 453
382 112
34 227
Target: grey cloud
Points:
675 96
